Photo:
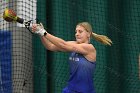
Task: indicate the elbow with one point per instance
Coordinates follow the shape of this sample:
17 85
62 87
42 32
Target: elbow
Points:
51 48
48 47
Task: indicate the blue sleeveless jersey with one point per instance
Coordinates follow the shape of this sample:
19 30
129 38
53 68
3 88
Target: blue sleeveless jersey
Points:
81 74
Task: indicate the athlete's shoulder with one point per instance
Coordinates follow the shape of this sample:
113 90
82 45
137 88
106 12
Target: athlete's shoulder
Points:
88 46
92 46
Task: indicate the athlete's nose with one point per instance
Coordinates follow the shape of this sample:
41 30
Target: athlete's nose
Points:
77 34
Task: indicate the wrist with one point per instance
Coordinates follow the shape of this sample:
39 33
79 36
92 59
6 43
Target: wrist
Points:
41 32
45 33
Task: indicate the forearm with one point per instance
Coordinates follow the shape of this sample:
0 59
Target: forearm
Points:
46 43
39 29
55 40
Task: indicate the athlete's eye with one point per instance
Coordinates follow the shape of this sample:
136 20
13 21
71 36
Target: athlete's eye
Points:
80 31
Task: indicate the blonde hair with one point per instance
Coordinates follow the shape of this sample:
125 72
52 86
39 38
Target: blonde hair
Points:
100 38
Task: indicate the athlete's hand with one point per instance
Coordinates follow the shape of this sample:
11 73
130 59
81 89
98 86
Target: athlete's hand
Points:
38 29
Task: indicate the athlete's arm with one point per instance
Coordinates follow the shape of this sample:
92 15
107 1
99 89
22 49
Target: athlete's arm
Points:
61 45
70 46
50 46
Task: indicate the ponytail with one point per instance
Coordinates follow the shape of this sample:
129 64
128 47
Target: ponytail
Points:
100 38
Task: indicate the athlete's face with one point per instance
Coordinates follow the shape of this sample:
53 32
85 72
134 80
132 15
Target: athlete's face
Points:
82 36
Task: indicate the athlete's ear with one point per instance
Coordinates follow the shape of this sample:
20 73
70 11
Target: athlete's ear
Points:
89 34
